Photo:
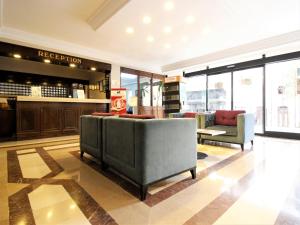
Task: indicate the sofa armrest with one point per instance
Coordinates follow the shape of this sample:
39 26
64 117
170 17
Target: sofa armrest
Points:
167 147
245 126
207 120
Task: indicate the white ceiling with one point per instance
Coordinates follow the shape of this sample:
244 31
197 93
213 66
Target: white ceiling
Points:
218 25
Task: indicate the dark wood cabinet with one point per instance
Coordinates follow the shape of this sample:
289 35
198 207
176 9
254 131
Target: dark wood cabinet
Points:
50 119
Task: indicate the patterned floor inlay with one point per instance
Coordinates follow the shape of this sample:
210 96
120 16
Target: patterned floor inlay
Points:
219 206
27 168
170 189
21 211
257 187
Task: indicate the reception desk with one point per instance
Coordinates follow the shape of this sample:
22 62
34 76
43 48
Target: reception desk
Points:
40 117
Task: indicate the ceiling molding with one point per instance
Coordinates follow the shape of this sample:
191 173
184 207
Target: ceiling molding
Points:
105 11
19 37
267 43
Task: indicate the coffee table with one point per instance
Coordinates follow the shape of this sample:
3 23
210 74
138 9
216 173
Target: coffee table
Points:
202 155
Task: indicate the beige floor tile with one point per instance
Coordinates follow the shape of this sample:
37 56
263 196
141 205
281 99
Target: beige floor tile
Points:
57 206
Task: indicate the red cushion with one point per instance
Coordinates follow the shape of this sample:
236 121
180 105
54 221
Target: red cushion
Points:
101 114
227 117
190 115
135 116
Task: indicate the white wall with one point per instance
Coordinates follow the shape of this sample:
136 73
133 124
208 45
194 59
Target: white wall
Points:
115 76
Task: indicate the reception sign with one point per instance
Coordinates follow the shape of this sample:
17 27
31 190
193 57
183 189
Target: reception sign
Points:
118 100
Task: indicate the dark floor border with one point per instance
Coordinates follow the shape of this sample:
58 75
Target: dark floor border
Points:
154 199
14 172
20 208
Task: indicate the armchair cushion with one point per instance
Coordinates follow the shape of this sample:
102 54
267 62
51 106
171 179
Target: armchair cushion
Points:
227 117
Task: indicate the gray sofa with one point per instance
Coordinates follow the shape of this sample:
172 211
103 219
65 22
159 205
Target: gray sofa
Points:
91 136
145 151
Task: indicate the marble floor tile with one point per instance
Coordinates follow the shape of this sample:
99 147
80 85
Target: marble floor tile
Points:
57 206
33 166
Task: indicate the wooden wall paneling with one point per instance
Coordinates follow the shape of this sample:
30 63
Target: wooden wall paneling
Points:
28 120
70 119
50 119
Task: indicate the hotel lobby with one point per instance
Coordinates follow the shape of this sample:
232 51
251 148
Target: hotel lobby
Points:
162 112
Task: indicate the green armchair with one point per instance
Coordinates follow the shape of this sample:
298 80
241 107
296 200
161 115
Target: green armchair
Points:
239 126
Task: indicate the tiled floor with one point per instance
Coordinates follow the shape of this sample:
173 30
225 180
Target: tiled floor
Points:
45 182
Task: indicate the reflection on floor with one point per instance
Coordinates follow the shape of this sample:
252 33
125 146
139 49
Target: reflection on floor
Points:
47 183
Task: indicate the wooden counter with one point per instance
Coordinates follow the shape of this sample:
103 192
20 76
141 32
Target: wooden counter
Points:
48 117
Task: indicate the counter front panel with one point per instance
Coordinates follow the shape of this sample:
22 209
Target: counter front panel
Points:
48 119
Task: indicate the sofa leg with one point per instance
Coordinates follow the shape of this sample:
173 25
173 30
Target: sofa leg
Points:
104 166
242 146
202 141
143 192
193 172
81 154
251 142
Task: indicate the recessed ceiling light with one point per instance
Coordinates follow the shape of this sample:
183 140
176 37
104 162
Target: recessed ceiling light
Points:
206 30
189 19
147 19
150 38
17 56
184 38
167 29
169 5
167 45
129 30
72 65
93 68
47 61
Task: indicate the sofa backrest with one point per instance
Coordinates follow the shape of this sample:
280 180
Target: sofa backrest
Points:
227 117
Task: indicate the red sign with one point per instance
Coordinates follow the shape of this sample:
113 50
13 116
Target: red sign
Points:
118 100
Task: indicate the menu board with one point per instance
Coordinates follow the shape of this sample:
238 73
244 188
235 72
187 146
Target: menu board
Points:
118 100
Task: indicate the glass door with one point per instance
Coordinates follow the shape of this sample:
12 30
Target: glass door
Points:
130 82
196 94
219 91
248 94
283 97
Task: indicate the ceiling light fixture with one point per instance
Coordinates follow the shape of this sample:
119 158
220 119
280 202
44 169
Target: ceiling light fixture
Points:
147 19
47 61
184 38
72 65
169 5
150 38
93 68
167 29
190 19
167 45
206 30
129 30
17 56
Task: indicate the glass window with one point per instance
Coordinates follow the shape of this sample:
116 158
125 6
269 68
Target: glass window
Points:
283 96
130 82
219 91
248 94
196 94
145 91
157 87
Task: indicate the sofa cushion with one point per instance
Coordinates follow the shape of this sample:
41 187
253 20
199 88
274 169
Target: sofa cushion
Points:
101 114
135 116
230 130
190 115
227 117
